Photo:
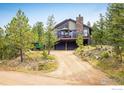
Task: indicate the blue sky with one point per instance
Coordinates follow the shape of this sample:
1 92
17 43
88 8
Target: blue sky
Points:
40 12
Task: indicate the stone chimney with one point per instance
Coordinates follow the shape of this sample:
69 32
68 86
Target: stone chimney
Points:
79 23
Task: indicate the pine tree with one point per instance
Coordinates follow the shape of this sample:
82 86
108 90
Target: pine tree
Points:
98 34
1 42
50 37
38 30
19 33
1 37
79 40
115 28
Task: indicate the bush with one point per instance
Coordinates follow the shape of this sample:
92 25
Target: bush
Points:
49 66
79 51
104 55
45 54
50 57
118 76
47 57
8 52
33 55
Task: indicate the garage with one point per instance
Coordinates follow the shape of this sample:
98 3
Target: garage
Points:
71 45
60 45
66 45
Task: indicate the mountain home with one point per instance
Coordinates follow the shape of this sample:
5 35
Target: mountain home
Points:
67 31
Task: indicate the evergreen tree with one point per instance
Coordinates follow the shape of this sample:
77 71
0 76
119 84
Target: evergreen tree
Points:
79 40
1 42
98 34
50 37
19 34
38 30
115 28
1 37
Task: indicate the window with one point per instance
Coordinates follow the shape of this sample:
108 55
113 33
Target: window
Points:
66 33
86 32
62 33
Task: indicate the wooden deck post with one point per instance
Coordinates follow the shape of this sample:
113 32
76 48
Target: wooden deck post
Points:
66 45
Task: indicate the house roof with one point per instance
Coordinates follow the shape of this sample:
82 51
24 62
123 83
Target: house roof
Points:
66 20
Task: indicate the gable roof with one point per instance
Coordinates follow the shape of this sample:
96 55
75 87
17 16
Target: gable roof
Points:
66 20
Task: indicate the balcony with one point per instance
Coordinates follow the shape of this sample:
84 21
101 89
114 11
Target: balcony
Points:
67 34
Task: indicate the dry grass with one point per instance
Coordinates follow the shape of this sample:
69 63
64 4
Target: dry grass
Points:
33 60
114 70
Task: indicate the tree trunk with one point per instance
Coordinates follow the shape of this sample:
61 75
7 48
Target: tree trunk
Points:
2 57
121 58
21 55
49 51
101 46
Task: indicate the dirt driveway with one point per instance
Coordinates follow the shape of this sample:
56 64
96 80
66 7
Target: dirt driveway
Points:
74 69
71 71
19 78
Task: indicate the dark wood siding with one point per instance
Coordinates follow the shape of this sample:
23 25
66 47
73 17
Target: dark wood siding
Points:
64 25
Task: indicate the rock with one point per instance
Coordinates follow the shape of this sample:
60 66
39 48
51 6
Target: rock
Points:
97 57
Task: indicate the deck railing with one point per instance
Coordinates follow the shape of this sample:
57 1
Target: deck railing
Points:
69 35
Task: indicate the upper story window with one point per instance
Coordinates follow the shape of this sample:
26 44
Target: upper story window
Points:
62 33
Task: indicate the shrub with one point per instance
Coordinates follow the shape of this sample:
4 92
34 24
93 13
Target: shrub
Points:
45 54
49 66
9 51
104 55
50 57
79 51
47 57
33 55
118 76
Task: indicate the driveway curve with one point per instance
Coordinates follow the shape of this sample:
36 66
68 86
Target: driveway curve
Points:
71 71
73 68
20 78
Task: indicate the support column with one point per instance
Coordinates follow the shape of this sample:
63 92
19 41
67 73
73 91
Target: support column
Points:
66 45
89 40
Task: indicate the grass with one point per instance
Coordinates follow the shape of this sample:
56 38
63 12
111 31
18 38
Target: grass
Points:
48 67
41 68
34 61
111 69
106 62
118 76
33 55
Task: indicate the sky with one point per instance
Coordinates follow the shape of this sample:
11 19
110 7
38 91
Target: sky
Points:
40 11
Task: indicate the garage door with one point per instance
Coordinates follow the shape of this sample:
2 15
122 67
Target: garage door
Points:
71 45
60 46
